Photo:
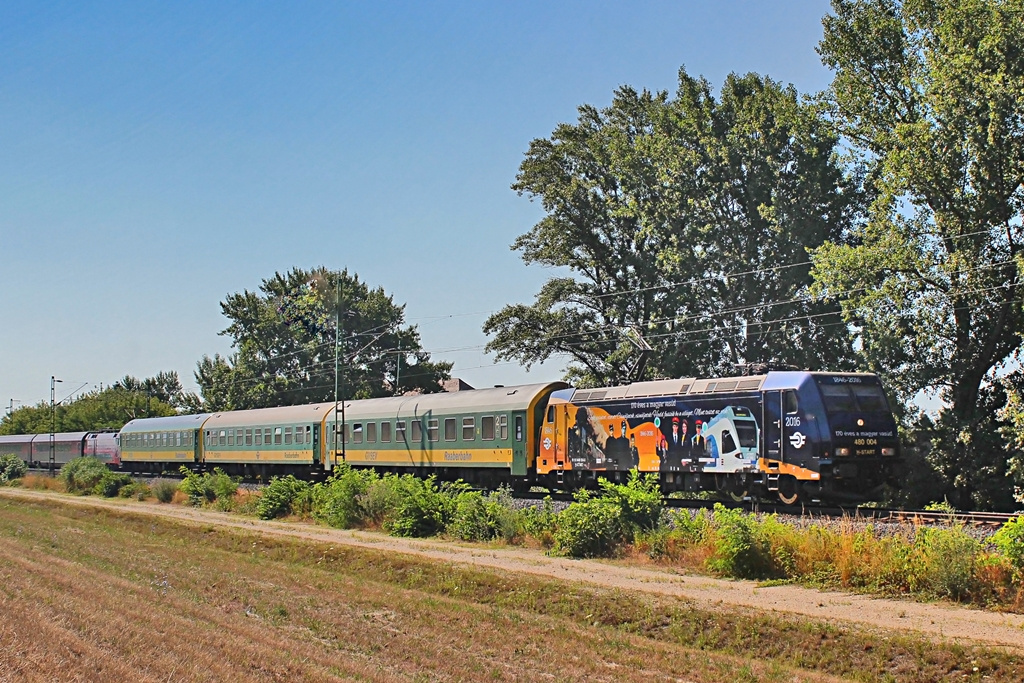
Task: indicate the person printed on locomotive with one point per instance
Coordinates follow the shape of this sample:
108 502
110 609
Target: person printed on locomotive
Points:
676 446
699 442
634 453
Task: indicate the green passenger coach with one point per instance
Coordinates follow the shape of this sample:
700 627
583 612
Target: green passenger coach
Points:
153 443
287 436
471 434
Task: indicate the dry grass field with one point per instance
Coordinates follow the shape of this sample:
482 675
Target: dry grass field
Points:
93 594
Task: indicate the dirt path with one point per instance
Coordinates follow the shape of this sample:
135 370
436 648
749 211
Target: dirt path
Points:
934 620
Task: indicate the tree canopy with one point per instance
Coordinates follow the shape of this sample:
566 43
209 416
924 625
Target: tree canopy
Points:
930 96
686 221
109 408
284 338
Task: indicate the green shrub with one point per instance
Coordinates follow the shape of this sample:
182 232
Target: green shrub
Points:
111 483
739 550
337 500
541 522
590 527
1009 540
11 467
377 505
424 508
164 490
946 565
137 490
277 496
81 475
693 527
639 501
208 487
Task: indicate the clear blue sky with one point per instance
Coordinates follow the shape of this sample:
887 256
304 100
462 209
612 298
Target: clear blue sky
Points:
155 157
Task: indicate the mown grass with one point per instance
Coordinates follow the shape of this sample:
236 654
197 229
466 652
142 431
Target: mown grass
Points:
145 596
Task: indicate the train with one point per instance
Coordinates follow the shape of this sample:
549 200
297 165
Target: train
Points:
798 436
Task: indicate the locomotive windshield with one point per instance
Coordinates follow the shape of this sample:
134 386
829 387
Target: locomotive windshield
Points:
846 398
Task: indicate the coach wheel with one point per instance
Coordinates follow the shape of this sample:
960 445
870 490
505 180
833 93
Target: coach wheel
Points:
789 492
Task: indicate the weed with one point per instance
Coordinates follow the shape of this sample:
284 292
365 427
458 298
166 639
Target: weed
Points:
111 483
164 490
1010 542
336 501
590 527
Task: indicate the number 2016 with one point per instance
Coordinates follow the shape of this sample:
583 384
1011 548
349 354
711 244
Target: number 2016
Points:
792 421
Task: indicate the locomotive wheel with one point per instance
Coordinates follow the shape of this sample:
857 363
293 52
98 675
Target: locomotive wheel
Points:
789 492
738 495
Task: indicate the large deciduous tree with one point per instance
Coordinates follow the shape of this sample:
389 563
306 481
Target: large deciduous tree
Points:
284 339
687 220
930 93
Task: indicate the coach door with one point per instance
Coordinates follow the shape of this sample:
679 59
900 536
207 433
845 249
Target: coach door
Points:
773 428
316 444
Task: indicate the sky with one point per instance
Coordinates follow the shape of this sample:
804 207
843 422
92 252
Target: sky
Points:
156 157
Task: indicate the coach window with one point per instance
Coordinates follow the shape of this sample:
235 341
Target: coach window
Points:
248 436
468 428
259 437
487 428
791 403
177 439
371 432
503 427
385 432
223 438
357 432
400 431
231 437
449 429
417 431
432 433
287 436
519 427
299 436
267 438
239 436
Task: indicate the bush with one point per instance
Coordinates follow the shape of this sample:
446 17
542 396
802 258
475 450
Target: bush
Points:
278 496
424 509
739 550
111 483
207 487
337 501
11 467
378 504
1009 540
590 527
484 518
639 502
947 560
137 490
164 490
541 522
81 475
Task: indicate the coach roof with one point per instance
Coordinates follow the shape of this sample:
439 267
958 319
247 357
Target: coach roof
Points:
498 399
174 423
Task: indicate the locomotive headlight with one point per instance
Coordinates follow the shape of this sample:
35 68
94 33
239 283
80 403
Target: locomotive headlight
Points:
860 423
888 451
842 451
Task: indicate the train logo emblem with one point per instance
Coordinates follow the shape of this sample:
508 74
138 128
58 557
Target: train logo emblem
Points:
547 444
797 440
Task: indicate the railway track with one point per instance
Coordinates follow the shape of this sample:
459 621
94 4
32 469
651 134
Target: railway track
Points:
990 519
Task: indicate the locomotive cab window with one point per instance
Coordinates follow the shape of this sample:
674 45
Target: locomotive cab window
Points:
551 414
791 404
870 397
838 398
